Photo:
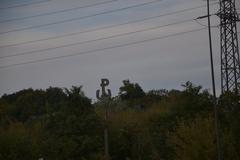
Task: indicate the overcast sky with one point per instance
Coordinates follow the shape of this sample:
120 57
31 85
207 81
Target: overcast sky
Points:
163 63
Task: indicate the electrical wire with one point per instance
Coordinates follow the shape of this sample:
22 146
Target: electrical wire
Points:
23 5
196 20
78 18
95 40
101 49
102 28
57 12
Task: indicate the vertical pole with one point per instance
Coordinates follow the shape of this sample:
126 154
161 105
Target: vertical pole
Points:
213 86
106 143
105 98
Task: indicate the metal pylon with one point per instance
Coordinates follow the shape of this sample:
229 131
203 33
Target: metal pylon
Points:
230 63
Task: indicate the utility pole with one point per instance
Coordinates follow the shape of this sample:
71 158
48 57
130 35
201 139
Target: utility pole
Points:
230 62
216 120
216 126
105 98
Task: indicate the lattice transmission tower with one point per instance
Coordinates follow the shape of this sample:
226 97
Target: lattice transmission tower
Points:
230 62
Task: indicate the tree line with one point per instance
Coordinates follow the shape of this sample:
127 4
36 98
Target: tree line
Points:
64 124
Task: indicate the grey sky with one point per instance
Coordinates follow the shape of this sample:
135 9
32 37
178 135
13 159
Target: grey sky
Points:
164 63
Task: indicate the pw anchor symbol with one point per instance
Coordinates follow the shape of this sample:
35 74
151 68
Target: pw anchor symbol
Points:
106 94
105 97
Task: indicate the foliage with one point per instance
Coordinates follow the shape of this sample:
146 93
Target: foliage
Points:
130 91
229 105
15 143
194 140
63 124
54 124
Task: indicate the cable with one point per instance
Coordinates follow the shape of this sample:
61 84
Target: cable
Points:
57 12
78 18
196 20
102 49
23 5
102 28
95 40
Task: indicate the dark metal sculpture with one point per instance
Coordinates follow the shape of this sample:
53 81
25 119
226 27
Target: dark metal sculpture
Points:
108 94
105 98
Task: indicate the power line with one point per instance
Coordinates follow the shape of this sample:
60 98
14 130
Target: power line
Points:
102 49
57 12
215 26
95 40
78 18
23 5
105 27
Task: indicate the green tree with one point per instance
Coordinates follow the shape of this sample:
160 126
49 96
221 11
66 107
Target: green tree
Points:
130 91
190 102
73 132
194 140
130 137
16 144
229 109
187 104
